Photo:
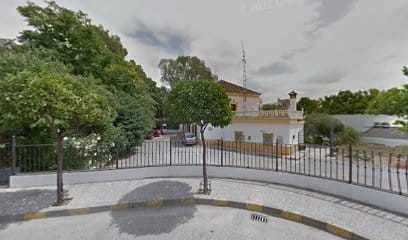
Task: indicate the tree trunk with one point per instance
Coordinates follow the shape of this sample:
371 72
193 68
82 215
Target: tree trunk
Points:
205 178
60 184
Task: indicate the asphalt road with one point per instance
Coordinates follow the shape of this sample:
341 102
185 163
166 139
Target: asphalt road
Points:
189 222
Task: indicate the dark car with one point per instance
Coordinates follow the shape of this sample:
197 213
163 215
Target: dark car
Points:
189 139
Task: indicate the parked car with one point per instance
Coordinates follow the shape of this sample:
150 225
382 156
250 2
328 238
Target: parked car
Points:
189 139
156 133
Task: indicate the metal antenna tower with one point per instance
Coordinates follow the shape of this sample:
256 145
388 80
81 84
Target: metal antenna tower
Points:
244 62
244 75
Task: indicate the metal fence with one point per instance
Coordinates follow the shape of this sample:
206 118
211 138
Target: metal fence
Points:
386 171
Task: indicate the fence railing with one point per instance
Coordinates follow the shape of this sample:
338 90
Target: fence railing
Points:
368 168
270 114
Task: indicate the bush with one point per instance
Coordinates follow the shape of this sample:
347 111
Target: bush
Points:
348 136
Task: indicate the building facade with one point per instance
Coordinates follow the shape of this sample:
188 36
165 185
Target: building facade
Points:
250 124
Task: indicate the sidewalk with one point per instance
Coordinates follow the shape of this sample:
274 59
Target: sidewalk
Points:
365 221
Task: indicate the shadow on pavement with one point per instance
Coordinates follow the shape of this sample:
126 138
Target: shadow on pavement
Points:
154 221
12 203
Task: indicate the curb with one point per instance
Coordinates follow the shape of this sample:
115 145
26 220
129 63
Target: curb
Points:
157 203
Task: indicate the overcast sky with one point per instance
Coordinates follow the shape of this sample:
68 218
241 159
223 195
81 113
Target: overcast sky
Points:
316 47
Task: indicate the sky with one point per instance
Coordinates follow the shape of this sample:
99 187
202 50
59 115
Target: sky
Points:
315 47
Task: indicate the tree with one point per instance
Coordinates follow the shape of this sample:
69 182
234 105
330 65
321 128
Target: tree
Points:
90 50
319 128
309 105
200 102
47 96
349 136
390 102
182 69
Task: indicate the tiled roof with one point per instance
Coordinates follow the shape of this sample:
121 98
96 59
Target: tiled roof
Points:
233 88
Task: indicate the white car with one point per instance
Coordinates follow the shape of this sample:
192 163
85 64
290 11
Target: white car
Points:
189 139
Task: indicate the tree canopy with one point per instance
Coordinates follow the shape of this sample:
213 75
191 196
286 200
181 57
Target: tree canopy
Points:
200 102
183 68
62 35
344 102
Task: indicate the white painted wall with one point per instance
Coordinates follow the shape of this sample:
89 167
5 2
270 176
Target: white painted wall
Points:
385 200
255 131
252 103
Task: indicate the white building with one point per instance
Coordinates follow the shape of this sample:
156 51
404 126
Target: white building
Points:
252 125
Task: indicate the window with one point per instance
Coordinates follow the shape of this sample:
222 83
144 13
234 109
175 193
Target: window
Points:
233 107
239 136
267 138
280 140
249 138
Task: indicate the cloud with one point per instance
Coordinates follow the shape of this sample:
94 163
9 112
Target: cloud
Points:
172 41
328 77
331 11
276 68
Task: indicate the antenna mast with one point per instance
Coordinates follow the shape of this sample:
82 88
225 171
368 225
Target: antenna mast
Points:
244 75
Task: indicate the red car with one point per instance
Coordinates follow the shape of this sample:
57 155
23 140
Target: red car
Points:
156 133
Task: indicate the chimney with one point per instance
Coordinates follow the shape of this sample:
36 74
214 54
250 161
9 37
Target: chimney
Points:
292 101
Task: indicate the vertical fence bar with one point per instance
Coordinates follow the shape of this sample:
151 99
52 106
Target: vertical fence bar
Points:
398 174
277 157
381 169
358 165
222 153
13 155
373 168
389 171
406 172
365 167
350 164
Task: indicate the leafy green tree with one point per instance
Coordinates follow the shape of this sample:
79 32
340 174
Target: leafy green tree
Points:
90 50
391 102
183 68
348 136
48 97
200 102
309 105
319 127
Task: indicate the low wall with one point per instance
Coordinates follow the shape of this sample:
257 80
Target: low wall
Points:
252 147
381 199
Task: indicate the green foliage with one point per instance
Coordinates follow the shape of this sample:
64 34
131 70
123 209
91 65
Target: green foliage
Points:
50 98
77 42
309 105
318 128
348 136
182 69
344 102
61 35
200 102
393 101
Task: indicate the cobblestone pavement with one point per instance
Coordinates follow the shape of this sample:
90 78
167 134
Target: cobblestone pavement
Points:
358 218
